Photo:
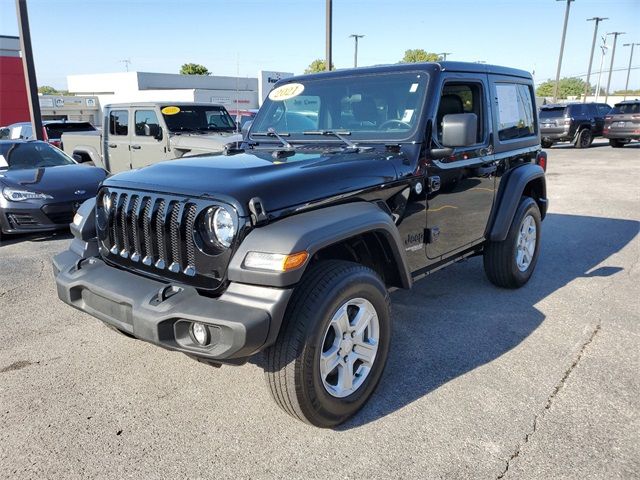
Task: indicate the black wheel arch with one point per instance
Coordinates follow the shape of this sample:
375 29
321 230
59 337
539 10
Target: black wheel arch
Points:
528 180
358 231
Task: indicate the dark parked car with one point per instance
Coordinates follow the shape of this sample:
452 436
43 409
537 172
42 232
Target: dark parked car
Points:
578 123
52 130
623 123
349 183
41 187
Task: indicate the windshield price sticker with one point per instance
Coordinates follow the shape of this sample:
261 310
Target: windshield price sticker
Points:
170 110
285 92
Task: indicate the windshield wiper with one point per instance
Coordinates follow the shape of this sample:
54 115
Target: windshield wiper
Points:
272 133
340 135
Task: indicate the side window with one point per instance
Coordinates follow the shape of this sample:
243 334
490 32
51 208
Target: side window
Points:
119 122
603 109
143 118
461 98
515 111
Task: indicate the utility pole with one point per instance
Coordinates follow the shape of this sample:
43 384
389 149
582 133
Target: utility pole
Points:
593 47
126 62
613 54
604 49
355 53
444 55
564 34
626 85
328 36
29 69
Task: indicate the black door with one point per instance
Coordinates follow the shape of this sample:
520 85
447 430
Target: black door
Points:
461 186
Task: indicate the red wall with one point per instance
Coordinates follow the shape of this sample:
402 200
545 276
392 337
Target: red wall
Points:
14 106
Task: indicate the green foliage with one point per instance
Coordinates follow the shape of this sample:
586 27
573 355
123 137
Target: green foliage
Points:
419 55
47 90
317 65
627 92
567 87
194 69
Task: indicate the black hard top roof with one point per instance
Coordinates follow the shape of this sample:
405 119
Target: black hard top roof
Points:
465 67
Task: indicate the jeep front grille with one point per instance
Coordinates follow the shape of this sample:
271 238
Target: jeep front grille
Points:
157 234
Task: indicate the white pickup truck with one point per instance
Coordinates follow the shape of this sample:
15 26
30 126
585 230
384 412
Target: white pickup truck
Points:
139 134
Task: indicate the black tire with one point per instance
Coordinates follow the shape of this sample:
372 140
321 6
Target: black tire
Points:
500 264
584 138
546 144
292 364
616 143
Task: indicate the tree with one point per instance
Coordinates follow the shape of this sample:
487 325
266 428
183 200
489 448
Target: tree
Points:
567 87
627 92
318 65
419 55
48 90
194 69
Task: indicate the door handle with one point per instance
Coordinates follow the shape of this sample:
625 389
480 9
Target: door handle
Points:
113 145
136 147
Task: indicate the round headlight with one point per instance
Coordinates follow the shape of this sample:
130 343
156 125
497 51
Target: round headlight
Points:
106 202
219 226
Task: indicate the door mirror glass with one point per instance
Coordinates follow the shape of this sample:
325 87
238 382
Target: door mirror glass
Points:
459 129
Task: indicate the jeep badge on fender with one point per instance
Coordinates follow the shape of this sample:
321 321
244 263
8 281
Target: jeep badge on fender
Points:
289 245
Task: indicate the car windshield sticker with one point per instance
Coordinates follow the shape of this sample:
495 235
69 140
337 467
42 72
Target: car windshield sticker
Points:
285 92
414 88
507 104
3 162
408 115
170 110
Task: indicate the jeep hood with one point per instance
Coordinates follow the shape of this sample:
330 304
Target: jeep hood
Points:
279 183
199 143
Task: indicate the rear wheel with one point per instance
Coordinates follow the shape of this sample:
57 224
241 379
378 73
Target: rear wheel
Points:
510 263
546 144
584 139
617 143
333 344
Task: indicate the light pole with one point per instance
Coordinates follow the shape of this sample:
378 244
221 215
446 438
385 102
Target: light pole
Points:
564 34
355 53
328 37
444 55
613 54
626 85
604 49
593 47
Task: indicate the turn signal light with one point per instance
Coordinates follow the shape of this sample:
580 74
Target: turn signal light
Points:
541 159
275 262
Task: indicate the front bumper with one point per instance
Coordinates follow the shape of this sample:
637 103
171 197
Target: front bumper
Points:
23 217
241 322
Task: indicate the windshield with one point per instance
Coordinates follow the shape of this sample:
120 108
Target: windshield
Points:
367 107
197 118
29 155
552 112
626 108
55 130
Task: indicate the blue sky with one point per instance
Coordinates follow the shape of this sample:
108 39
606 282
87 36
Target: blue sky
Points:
76 36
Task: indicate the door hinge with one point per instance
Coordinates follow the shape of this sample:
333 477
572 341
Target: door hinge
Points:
431 234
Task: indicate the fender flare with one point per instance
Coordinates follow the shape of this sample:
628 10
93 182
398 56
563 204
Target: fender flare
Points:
512 188
311 232
96 158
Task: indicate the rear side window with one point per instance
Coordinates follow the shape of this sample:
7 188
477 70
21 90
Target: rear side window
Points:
552 112
515 111
55 130
119 122
576 110
603 108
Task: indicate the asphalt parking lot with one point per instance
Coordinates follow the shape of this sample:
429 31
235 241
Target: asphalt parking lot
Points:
541 382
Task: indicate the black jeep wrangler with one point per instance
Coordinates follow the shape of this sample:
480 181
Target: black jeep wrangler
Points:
348 184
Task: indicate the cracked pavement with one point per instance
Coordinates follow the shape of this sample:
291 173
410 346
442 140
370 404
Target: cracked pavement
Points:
536 383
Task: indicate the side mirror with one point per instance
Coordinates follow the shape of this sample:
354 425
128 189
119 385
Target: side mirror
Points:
153 130
459 130
245 128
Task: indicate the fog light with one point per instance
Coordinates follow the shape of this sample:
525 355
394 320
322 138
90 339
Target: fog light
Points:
200 333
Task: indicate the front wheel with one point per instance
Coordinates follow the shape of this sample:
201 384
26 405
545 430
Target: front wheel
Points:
333 344
510 263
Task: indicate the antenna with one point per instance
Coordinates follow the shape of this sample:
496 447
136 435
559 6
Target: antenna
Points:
127 62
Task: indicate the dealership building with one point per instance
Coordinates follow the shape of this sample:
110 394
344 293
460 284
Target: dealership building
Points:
234 93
